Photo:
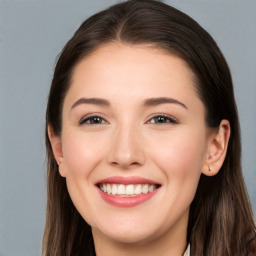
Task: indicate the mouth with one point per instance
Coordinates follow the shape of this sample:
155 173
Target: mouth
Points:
127 191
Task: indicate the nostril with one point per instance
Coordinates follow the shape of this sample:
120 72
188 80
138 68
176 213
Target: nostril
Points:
124 165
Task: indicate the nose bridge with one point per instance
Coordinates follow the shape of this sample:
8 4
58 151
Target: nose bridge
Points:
126 149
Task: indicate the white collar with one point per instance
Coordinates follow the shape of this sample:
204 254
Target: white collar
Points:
187 252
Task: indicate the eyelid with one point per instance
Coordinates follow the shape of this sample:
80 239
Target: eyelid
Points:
83 119
172 119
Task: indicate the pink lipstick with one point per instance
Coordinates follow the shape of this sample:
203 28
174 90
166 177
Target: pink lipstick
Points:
127 191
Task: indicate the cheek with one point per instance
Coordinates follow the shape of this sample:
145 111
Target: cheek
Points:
180 157
82 152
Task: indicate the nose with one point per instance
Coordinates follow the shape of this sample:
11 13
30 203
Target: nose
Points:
126 150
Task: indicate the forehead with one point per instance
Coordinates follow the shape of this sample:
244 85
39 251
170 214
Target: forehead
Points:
134 71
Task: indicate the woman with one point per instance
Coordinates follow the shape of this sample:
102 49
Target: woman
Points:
143 141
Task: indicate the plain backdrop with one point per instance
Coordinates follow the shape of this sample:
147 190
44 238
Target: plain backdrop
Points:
32 33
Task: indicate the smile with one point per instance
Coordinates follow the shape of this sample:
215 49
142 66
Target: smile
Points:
127 190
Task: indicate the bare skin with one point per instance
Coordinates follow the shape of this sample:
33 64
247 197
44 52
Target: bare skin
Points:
126 134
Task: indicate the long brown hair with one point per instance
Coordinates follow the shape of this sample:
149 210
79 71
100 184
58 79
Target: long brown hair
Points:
220 221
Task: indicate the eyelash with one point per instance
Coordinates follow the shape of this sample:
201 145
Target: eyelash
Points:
90 118
168 120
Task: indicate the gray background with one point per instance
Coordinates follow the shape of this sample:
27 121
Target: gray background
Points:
32 33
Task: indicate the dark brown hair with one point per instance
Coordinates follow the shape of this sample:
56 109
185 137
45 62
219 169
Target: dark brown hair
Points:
220 220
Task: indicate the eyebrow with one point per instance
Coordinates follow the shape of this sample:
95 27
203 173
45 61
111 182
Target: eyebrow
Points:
163 100
94 101
147 103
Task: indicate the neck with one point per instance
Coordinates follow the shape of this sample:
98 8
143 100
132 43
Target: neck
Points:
173 242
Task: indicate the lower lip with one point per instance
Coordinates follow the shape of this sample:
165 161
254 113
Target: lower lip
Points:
129 201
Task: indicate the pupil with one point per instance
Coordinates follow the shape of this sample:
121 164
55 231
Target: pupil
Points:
161 119
96 120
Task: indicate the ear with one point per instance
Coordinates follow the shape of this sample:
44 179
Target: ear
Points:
56 144
217 149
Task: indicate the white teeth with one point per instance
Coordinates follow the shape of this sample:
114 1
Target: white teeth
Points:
121 190
145 189
114 189
151 188
127 190
137 189
109 188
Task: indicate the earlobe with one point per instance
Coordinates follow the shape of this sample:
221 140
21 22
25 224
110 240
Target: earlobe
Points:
217 149
56 148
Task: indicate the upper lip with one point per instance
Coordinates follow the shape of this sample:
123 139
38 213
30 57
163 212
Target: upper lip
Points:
127 180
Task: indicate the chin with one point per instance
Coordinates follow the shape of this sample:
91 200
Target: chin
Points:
127 236
132 230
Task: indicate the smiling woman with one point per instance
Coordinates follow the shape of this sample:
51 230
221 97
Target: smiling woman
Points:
143 141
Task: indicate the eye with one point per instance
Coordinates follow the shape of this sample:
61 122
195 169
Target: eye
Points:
93 120
163 119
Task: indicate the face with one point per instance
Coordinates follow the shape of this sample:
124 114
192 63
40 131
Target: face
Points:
133 142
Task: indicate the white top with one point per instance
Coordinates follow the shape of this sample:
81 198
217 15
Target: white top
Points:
187 252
